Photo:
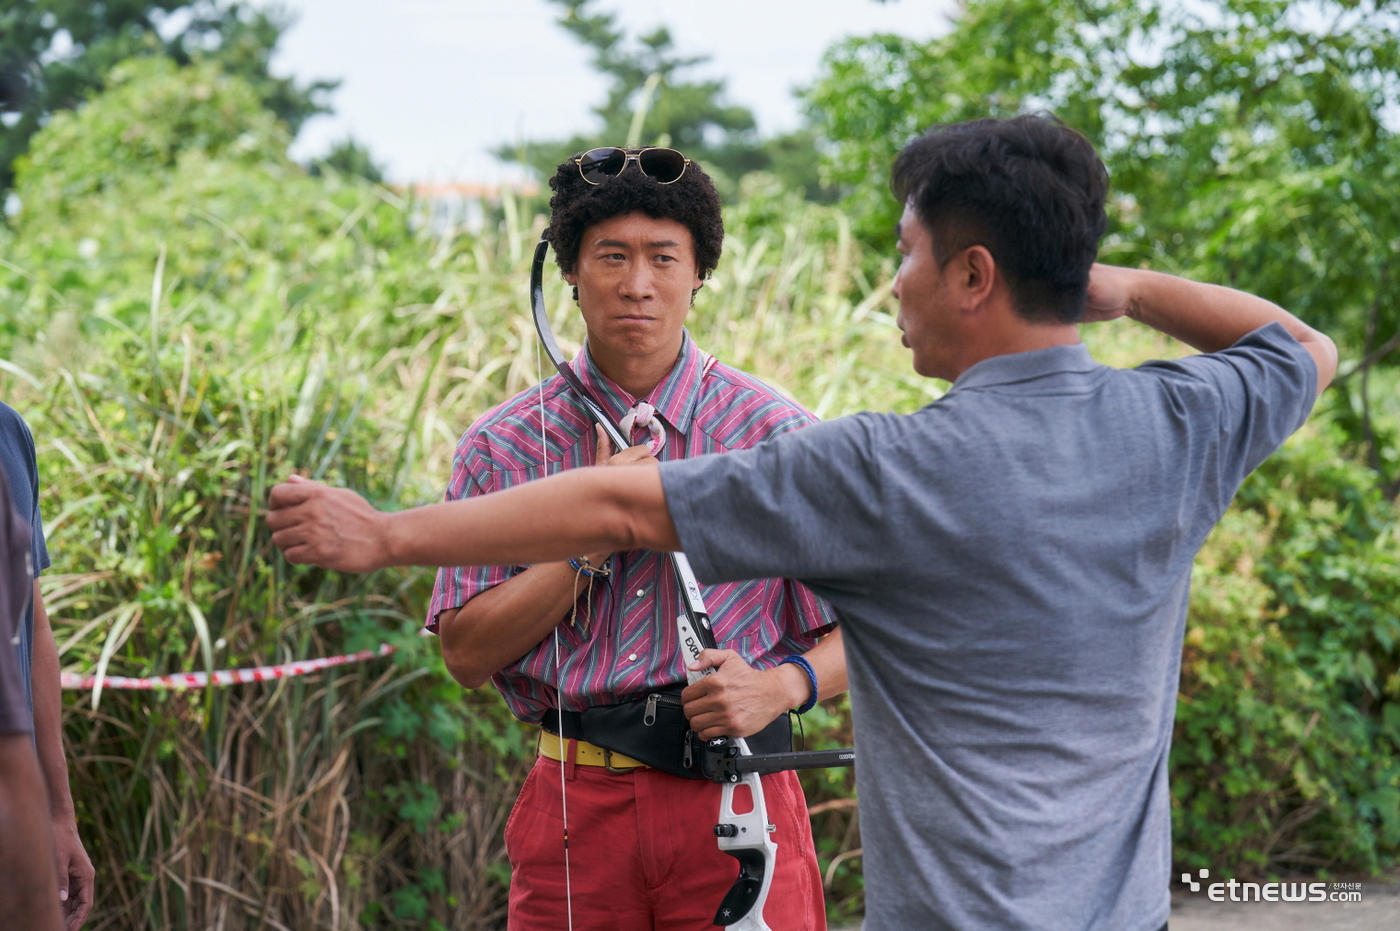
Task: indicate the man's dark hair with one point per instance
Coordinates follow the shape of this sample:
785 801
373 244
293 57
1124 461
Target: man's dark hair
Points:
691 201
1030 189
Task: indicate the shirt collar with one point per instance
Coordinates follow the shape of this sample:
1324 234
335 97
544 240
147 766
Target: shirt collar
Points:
675 398
1026 366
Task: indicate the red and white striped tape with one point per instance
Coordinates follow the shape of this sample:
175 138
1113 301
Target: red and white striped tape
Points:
199 680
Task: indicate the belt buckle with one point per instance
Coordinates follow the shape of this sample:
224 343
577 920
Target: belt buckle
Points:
607 764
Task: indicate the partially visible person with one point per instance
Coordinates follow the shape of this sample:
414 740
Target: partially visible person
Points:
27 898
38 661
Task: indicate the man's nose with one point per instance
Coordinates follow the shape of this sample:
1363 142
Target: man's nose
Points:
638 284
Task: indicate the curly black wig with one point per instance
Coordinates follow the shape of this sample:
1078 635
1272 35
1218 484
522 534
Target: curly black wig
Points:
691 201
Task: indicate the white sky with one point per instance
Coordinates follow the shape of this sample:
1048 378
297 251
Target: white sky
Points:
431 85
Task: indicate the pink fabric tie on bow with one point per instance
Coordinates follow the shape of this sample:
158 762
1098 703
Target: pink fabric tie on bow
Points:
641 415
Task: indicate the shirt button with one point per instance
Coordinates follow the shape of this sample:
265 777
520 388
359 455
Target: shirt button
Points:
631 657
641 592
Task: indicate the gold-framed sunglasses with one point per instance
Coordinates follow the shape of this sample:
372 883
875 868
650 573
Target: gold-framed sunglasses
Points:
665 166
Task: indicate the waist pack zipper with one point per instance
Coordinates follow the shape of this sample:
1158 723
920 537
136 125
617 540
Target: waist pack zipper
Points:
654 699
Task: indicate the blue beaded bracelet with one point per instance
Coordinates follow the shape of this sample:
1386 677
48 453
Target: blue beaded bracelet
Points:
801 661
590 570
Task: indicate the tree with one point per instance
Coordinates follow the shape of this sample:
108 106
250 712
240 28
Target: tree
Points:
1250 142
55 53
650 102
349 157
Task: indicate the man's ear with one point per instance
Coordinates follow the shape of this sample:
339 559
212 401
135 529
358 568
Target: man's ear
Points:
571 278
976 273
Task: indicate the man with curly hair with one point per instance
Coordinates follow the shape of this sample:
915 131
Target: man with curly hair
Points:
597 631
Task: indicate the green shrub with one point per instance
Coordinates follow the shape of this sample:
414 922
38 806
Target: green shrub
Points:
1287 749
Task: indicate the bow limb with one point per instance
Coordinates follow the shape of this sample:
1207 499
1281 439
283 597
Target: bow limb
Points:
747 838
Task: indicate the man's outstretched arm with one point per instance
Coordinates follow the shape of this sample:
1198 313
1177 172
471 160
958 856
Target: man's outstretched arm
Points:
596 509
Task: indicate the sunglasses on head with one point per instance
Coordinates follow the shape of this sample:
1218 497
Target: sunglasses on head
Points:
661 165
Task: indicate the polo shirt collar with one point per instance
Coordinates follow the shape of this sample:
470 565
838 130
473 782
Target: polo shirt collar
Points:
1026 366
675 398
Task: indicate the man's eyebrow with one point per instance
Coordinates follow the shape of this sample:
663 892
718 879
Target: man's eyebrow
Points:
619 244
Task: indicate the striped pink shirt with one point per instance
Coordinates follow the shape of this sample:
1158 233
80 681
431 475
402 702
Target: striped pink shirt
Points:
629 643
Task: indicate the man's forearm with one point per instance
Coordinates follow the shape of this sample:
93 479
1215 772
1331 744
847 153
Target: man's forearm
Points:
592 510
28 893
503 623
48 712
828 662
1211 318
597 509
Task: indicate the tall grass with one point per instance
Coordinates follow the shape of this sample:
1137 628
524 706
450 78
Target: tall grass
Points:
307 803
369 795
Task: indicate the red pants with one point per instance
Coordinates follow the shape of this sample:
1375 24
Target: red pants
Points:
642 853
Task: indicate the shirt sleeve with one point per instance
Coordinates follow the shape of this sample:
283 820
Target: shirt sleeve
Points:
1265 386
15 588
805 505
456 585
38 547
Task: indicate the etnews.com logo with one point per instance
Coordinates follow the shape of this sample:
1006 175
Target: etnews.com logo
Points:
1273 892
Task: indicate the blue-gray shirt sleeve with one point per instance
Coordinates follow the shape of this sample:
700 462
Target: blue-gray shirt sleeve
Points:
1264 385
805 505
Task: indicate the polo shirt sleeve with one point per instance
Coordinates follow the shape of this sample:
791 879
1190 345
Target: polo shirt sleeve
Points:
805 505
1264 385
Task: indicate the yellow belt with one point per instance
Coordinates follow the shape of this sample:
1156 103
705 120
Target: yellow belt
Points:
587 754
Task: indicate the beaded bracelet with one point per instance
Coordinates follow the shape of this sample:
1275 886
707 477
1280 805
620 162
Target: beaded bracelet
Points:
801 661
590 570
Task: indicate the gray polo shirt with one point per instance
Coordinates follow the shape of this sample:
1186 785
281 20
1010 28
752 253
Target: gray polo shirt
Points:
1010 566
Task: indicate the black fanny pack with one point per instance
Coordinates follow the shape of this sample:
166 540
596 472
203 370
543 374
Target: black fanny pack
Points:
652 729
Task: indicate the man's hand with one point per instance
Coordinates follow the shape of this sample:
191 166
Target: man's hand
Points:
632 455
1110 293
331 527
738 700
75 873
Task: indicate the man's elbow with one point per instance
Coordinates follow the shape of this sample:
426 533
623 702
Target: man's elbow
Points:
1324 354
457 656
469 678
467 674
